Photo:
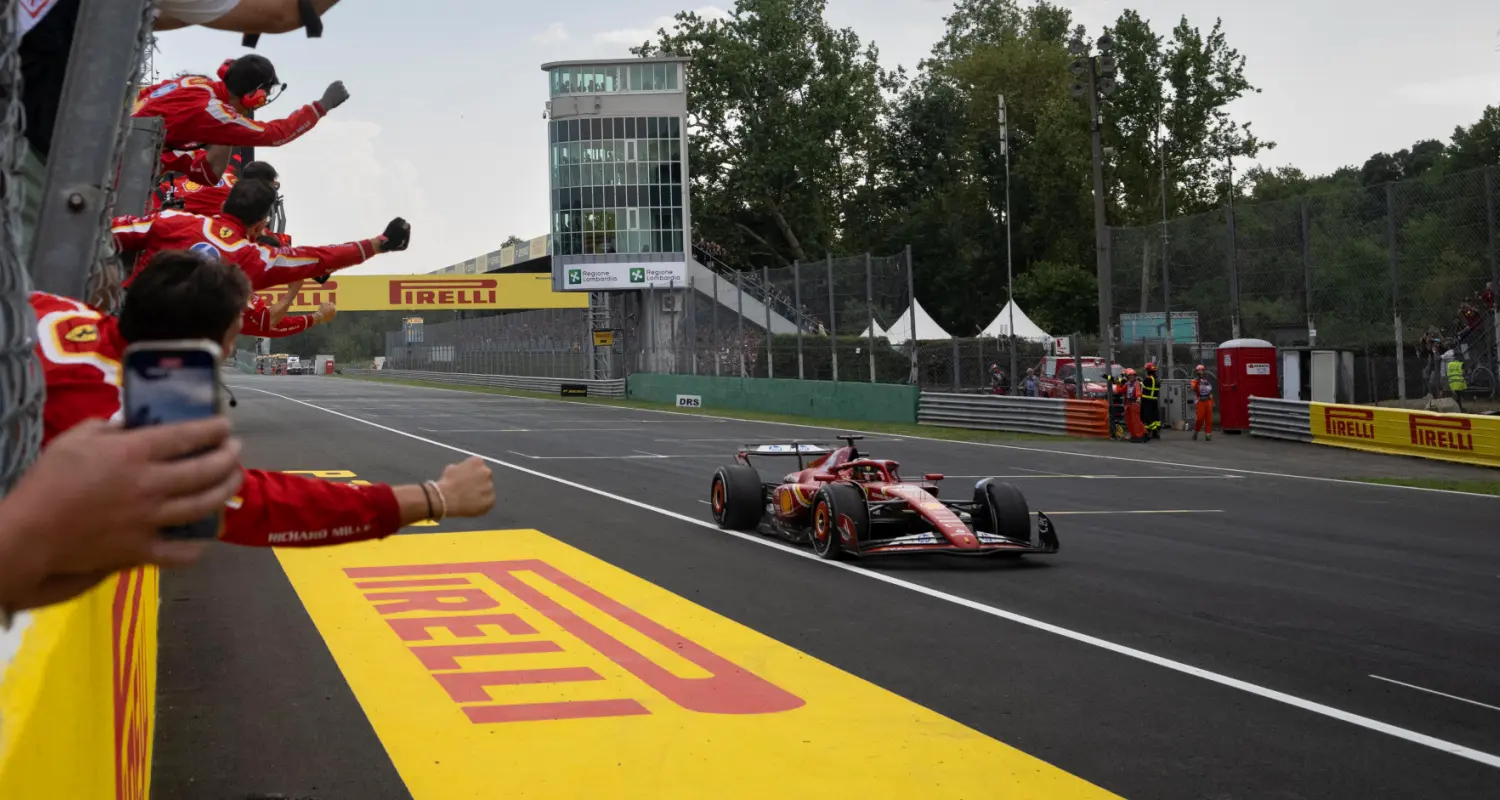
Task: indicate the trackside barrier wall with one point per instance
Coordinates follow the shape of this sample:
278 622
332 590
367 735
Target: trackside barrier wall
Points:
78 697
861 402
1054 417
1464 438
614 388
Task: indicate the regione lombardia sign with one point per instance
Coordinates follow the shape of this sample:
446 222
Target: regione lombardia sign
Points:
624 276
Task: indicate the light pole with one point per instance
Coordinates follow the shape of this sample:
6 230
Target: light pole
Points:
1096 82
1010 283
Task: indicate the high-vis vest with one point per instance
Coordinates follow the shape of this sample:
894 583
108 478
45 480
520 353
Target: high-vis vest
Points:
1456 380
1149 387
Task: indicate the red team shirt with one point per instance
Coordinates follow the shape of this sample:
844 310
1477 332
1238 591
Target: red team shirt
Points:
197 113
224 238
257 321
80 349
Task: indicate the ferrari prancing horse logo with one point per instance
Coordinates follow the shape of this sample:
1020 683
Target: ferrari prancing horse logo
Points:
83 334
225 232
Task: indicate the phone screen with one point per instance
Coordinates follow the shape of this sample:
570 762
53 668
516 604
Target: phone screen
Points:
169 383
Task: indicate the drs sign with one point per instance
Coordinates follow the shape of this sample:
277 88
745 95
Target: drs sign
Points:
689 401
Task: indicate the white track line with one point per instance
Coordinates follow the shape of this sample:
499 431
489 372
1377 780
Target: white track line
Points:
1109 477
1488 759
1438 693
1019 448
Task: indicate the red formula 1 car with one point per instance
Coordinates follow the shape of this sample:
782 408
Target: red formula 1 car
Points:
843 502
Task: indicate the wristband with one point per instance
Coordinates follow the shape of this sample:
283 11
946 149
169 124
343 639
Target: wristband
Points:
443 501
428 497
5 619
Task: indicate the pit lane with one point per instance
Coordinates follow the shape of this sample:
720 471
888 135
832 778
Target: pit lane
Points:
1289 585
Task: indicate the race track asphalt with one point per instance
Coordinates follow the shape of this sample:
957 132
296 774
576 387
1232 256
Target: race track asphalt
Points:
1204 633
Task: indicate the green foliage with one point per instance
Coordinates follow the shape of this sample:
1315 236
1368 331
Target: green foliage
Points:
1059 297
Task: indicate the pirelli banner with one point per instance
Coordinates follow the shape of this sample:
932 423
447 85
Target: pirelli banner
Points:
430 293
1466 438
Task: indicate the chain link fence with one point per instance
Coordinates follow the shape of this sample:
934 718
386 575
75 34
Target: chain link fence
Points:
1395 273
545 343
21 387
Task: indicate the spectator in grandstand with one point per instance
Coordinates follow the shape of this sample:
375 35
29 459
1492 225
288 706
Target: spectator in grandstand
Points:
232 236
240 16
200 111
185 295
96 499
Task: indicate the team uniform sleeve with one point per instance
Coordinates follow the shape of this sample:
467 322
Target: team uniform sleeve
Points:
274 509
257 322
268 267
131 234
192 163
212 121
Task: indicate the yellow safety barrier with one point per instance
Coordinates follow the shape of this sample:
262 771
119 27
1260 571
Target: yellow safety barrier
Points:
78 702
1466 438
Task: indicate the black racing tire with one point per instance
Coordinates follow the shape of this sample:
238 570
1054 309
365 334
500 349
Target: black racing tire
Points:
1000 508
737 498
836 500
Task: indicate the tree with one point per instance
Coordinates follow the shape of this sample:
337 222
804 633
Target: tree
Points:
783 111
1056 297
511 240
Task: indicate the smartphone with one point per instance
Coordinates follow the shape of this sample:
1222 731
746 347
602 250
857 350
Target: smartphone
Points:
174 381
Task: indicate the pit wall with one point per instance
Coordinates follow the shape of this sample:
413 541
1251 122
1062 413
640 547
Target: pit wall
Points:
78 695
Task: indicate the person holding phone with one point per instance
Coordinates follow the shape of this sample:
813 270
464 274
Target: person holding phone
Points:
96 499
233 236
182 296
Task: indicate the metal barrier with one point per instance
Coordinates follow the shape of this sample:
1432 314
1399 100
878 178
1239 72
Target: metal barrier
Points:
613 388
1280 419
1018 414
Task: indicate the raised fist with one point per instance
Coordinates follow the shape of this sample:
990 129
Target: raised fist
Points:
396 237
468 488
334 96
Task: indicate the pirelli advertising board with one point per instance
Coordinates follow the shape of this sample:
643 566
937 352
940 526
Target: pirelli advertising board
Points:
1466 438
430 293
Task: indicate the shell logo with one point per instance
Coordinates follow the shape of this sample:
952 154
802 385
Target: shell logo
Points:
787 503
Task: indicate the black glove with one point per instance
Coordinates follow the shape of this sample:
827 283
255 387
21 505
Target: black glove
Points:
322 279
334 96
397 236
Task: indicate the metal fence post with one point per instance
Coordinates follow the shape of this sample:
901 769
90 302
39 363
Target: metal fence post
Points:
1234 273
692 322
1307 282
870 309
765 299
102 68
911 292
954 366
1390 236
739 317
797 298
1489 218
714 332
1166 299
833 323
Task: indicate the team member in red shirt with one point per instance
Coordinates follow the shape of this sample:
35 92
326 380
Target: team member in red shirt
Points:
183 295
272 321
199 111
207 199
233 235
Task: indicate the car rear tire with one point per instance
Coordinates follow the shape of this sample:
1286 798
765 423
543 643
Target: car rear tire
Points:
737 498
838 500
1000 508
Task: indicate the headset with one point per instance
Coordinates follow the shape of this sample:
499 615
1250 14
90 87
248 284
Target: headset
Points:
261 97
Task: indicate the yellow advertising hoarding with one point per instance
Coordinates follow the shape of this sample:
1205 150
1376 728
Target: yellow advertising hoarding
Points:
1466 438
430 293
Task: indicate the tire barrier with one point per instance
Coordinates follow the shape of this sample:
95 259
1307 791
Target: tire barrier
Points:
1052 417
1462 438
78 699
615 388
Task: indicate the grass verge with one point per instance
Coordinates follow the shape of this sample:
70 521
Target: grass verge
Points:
893 428
1472 487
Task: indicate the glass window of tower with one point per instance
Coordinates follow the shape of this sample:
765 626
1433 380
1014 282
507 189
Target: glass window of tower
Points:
616 184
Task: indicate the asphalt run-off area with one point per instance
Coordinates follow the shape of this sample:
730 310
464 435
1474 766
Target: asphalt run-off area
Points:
1226 620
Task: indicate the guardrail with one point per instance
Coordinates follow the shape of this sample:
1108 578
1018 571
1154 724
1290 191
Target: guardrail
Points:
1464 438
1272 418
614 388
1052 417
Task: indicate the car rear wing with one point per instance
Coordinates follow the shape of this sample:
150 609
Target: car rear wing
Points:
800 450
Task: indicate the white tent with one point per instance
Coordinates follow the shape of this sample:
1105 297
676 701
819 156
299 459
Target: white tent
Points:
880 333
1025 328
927 329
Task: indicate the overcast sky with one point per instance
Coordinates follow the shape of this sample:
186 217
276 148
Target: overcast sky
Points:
445 122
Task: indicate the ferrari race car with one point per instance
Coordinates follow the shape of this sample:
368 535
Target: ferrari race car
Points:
842 502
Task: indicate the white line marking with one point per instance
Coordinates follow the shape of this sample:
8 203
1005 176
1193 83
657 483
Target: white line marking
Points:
1111 477
1438 693
520 430
1261 473
1367 723
647 456
1147 511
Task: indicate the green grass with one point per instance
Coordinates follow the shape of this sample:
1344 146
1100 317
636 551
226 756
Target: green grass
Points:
894 428
1472 487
